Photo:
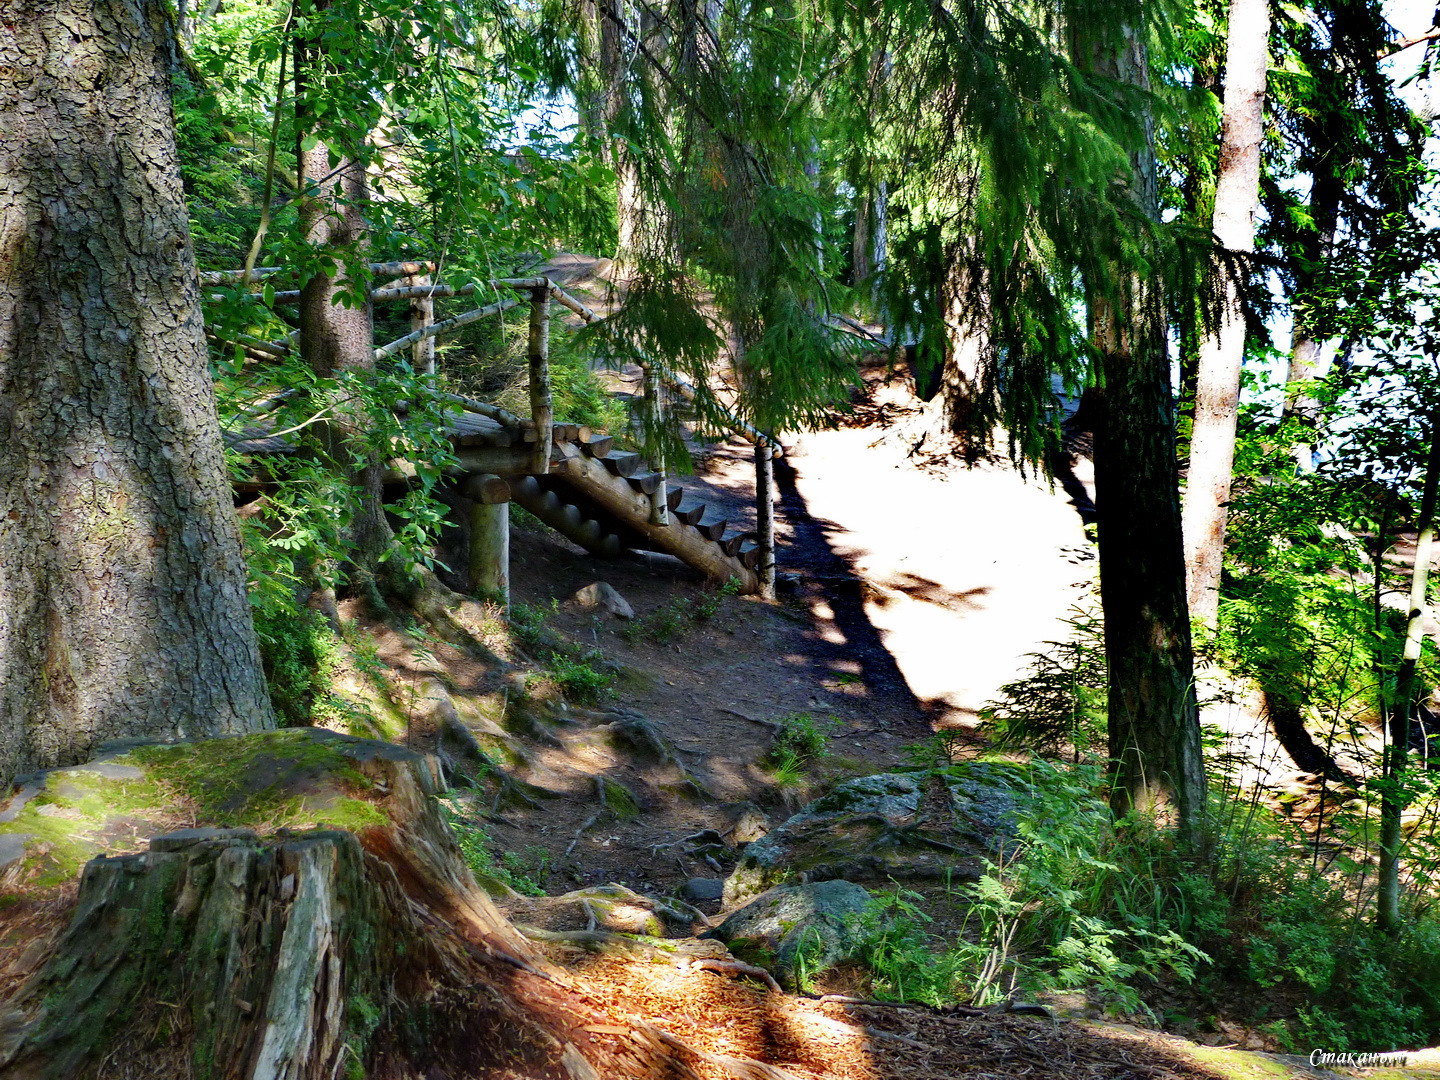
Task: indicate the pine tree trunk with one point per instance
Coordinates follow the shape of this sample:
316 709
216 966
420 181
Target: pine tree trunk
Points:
1222 348
123 609
966 383
860 243
1154 730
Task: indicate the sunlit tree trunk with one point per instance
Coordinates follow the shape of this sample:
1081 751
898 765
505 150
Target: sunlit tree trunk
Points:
123 610
1305 364
1392 799
1222 348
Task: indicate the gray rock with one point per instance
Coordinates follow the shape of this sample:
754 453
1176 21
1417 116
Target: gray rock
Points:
748 823
899 826
703 890
110 770
603 596
796 931
12 847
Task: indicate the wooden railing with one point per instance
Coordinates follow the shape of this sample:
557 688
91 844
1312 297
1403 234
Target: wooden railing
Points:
421 292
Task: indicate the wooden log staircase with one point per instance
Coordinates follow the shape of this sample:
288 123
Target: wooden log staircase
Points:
574 480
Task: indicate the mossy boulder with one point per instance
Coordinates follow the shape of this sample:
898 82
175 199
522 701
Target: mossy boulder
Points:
891 826
796 932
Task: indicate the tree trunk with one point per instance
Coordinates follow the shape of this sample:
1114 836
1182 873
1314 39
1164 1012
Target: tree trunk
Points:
1393 798
860 245
1305 364
966 383
336 337
1154 730
123 609
1222 349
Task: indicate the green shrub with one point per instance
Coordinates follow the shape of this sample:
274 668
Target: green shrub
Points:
300 655
1058 708
512 869
579 678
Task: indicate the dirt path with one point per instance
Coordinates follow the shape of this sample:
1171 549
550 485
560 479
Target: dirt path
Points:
911 598
939 582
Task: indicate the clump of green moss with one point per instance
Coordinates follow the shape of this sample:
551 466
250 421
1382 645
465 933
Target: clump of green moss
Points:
288 779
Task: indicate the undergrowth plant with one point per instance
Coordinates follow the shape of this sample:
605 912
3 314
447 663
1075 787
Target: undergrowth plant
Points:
512 869
1257 929
674 619
1058 707
800 740
575 670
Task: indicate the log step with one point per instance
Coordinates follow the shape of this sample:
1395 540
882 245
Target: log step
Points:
599 446
649 483
749 555
690 514
713 529
626 465
564 432
674 496
731 544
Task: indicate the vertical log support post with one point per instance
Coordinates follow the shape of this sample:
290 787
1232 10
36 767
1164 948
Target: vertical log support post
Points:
765 517
422 315
655 419
541 408
489 554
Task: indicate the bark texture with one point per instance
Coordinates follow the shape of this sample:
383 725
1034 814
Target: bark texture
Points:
1154 730
122 590
1222 348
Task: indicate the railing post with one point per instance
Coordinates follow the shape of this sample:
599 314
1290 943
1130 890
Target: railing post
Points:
422 315
765 517
541 407
655 419
489 554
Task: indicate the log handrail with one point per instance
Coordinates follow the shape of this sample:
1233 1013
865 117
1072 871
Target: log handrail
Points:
542 292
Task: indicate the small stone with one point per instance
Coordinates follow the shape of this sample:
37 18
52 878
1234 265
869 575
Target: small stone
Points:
703 890
797 931
12 847
604 596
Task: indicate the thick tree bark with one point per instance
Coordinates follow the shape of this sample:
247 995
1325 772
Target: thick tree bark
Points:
1222 349
122 590
602 96
1154 730
860 244
967 386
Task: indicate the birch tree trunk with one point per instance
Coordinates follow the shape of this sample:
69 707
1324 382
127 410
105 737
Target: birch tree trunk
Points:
1393 798
122 590
1154 730
1222 348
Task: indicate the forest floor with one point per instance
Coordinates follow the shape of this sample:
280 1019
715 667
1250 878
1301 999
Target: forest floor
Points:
916 589
908 607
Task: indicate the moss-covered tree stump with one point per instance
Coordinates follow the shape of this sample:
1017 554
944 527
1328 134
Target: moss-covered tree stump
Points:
316 920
